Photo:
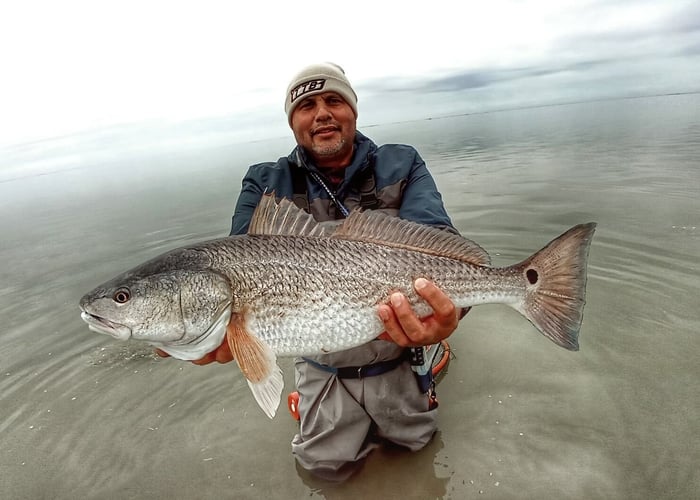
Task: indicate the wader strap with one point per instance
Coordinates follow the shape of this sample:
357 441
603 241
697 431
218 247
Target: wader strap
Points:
368 188
300 196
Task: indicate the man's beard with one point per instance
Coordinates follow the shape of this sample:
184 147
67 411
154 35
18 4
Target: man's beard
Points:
329 149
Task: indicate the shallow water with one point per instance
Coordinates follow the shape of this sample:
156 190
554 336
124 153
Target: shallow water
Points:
84 416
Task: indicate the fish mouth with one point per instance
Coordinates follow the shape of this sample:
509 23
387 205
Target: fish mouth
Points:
105 326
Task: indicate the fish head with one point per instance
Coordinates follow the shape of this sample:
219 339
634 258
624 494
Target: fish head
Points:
174 306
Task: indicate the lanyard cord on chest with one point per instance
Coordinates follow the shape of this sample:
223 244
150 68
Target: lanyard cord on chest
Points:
332 196
315 176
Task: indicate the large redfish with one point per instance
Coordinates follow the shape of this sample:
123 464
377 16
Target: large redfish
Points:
293 287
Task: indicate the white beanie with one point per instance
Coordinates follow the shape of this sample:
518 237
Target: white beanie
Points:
315 79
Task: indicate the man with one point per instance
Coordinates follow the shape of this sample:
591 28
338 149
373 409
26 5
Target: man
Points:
333 170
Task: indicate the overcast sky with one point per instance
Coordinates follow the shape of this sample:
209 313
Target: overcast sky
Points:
74 65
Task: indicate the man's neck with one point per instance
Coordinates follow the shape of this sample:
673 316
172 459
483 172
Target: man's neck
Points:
325 162
335 176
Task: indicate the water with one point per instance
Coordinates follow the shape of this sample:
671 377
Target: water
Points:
84 416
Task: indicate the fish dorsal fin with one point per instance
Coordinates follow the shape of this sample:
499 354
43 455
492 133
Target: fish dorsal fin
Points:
380 228
284 219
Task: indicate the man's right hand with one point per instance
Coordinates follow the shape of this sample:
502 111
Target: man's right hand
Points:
221 354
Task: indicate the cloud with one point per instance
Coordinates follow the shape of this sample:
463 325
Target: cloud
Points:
686 20
608 49
79 65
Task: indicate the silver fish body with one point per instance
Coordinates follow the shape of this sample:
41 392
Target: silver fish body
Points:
292 287
311 296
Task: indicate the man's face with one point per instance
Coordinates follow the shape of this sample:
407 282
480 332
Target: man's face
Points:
324 125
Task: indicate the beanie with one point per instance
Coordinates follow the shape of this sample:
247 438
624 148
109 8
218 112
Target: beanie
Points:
315 79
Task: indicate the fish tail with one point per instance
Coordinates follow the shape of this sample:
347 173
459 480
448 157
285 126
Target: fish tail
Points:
556 286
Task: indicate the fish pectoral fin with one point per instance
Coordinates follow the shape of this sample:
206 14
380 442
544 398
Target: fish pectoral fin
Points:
268 392
258 364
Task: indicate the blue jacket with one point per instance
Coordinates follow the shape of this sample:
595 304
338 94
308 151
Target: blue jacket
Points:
401 181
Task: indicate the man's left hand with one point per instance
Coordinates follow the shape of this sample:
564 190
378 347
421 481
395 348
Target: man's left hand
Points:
221 354
408 330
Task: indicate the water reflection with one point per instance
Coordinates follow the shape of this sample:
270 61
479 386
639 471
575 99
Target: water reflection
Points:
386 474
84 416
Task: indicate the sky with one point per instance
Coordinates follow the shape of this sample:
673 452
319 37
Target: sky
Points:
69 66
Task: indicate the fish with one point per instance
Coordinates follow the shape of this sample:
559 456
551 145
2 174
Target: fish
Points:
294 287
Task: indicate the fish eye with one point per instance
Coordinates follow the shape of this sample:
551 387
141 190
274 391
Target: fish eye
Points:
122 296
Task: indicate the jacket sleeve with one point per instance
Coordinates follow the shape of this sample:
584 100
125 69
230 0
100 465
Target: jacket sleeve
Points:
251 193
421 200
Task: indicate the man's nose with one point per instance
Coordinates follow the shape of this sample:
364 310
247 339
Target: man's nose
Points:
322 113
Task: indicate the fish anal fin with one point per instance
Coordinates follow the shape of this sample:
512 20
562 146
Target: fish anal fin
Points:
382 229
258 364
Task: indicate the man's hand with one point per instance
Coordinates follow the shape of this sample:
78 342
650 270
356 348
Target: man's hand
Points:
407 330
221 354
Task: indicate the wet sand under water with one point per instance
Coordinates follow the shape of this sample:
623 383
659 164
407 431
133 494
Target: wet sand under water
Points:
84 416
